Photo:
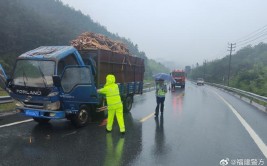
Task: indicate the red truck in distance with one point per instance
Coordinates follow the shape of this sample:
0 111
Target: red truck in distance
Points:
179 77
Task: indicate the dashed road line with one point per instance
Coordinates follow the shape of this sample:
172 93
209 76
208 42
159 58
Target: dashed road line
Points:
146 118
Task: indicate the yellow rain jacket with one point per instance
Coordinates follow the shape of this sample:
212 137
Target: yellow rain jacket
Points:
115 107
161 90
111 90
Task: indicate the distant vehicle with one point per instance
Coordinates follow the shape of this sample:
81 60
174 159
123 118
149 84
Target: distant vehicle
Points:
200 81
179 77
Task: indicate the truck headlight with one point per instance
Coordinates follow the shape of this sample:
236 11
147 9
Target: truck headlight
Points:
53 106
53 94
18 103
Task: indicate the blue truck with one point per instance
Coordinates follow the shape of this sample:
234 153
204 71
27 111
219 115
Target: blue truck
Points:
57 82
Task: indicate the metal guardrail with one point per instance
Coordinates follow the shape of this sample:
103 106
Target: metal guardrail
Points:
147 87
5 99
242 93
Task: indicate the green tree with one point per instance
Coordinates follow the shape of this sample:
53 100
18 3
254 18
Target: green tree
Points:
248 70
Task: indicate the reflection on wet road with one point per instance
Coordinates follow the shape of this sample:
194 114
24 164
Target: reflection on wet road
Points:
197 128
114 151
159 136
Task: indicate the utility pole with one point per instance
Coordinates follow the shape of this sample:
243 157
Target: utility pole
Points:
229 67
204 69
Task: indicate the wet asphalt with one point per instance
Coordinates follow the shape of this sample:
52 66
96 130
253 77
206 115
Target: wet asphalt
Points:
196 129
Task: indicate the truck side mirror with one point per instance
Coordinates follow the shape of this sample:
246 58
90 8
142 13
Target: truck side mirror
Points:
56 81
3 78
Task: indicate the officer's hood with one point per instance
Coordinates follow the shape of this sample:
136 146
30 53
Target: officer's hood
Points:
110 79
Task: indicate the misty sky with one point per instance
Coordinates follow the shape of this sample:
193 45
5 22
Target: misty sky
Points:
184 32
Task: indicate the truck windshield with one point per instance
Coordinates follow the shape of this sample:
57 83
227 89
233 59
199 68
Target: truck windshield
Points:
177 74
34 73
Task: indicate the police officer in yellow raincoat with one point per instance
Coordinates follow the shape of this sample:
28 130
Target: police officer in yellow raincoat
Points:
115 107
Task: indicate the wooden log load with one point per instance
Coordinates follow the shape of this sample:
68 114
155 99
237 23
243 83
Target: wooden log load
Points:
89 40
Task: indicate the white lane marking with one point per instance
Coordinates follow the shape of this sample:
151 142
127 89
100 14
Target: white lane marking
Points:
249 129
15 123
74 132
146 118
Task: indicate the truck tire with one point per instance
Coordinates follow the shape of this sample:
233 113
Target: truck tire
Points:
82 117
41 120
127 104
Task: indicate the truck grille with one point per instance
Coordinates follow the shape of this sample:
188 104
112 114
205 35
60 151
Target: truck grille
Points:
178 80
33 105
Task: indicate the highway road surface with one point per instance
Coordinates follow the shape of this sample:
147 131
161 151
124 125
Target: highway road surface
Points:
201 126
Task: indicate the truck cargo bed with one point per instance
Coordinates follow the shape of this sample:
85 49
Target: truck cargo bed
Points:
126 68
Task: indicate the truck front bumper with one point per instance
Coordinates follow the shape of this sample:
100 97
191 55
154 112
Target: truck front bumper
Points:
48 114
179 84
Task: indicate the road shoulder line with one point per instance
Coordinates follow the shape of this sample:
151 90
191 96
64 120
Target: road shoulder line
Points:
15 123
249 129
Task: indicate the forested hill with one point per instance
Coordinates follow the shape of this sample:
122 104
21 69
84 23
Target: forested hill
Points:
248 70
27 24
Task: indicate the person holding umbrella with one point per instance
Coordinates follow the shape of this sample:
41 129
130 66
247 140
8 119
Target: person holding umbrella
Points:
161 90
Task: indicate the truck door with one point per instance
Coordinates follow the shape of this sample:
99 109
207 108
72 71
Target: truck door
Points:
78 85
3 78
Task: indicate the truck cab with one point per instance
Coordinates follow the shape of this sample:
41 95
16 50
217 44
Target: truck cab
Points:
53 83
179 77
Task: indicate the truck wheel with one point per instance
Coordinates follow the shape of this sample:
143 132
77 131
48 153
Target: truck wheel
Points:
128 103
41 120
82 117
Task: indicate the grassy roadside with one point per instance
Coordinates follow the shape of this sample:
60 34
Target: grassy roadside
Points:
6 107
3 93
